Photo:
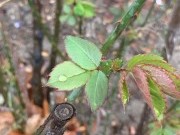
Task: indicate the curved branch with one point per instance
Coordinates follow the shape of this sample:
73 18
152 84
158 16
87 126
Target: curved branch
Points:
130 16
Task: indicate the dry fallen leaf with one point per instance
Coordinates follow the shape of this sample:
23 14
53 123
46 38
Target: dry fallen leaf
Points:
32 124
6 122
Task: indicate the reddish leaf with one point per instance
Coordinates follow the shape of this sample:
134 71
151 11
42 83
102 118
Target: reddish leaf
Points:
176 79
163 79
141 81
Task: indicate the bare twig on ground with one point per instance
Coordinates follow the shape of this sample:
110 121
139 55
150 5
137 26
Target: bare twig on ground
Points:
55 123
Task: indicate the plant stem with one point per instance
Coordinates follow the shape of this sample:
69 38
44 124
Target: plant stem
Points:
149 13
80 25
37 91
129 16
143 120
44 28
55 41
172 29
17 99
74 94
126 20
3 90
122 47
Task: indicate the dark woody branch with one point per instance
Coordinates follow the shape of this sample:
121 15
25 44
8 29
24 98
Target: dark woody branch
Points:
55 123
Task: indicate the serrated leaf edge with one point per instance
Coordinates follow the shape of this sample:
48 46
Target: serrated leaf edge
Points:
69 77
161 93
166 73
93 109
120 85
132 65
47 84
96 65
66 62
150 103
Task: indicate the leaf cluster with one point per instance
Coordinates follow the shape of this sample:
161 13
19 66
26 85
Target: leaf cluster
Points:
155 78
69 75
72 9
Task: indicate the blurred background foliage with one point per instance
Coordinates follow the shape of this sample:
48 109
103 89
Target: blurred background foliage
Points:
31 44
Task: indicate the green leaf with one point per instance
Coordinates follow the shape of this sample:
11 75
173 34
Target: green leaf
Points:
66 9
165 131
177 83
96 89
123 89
142 59
79 10
162 64
67 76
176 79
89 9
125 93
71 20
157 132
83 52
168 131
157 98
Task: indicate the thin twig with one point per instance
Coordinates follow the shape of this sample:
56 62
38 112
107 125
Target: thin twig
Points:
18 108
74 94
149 13
173 26
121 47
144 117
37 59
45 29
56 34
80 25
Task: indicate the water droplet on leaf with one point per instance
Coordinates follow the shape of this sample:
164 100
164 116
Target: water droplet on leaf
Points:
62 78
